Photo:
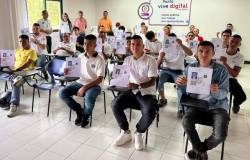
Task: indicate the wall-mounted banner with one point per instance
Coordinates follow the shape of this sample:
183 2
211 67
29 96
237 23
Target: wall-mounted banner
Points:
163 12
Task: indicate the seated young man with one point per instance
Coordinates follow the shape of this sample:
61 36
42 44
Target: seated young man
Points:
89 84
216 114
25 59
152 45
38 44
233 60
142 81
192 58
79 42
65 48
175 63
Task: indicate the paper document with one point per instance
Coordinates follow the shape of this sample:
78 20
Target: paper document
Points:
173 31
115 29
183 35
199 80
73 39
119 34
111 41
120 75
125 35
218 44
120 46
160 36
7 58
94 30
98 48
25 31
74 67
137 29
170 45
193 46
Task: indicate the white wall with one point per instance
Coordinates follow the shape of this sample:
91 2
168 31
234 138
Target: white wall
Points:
209 16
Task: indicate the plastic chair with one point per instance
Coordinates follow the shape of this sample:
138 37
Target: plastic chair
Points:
55 67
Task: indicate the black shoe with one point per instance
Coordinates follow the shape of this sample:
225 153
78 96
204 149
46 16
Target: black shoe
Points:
78 120
236 109
179 114
85 120
162 102
46 77
202 156
191 155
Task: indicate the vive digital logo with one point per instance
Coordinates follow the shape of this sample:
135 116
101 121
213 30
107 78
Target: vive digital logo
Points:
162 6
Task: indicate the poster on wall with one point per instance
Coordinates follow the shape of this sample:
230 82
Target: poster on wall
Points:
162 12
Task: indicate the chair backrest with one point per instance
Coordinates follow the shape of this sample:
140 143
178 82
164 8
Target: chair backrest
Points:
56 67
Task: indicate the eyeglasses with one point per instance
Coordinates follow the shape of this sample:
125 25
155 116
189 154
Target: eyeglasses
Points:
190 35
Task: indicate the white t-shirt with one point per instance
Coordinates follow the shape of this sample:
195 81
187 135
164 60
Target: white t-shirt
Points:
91 68
153 46
189 59
70 46
40 39
140 72
175 61
107 49
64 27
44 25
235 60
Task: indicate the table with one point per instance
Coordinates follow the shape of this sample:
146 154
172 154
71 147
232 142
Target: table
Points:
118 89
48 56
116 61
27 73
67 79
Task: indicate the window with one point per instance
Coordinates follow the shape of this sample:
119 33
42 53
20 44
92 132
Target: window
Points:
54 8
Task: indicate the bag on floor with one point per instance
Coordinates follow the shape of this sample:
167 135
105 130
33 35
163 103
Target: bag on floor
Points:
5 99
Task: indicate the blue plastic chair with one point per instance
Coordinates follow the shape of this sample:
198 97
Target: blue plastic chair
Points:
55 67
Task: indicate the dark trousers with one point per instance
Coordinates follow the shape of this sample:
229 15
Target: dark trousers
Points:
216 118
49 43
237 91
144 103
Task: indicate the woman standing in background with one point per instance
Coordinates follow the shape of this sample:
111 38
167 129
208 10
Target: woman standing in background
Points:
65 26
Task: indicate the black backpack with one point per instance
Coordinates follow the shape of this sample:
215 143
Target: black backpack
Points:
5 99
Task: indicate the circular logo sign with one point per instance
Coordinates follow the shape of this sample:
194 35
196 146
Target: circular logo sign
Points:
145 10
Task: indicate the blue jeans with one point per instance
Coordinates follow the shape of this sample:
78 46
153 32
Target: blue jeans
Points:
40 62
82 35
15 95
89 99
164 76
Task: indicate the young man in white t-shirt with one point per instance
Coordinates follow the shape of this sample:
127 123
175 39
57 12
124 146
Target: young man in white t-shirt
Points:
46 28
229 27
65 48
89 84
233 60
152 45
174 64
216 115
38 44
142 81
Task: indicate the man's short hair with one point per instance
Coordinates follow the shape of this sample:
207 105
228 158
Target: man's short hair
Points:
24 37
128 38
191 32
145 27
230 24
169 25
136 37
76 28
80 12
197 29
142 23
207 43
105 11
110 33
237 36
150 35
43 11
36 24
172 35
90 37
193 26
122 28
227 31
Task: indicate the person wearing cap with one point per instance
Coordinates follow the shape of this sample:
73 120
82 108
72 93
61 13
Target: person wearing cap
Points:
107 23
81 23
118 24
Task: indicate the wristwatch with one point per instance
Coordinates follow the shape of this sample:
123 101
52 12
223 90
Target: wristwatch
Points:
139 86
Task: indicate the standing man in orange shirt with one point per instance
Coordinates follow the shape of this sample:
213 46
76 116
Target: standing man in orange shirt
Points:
107 23
81 23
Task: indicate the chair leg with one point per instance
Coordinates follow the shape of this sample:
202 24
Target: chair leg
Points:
113 94
130 115
146 142
230 103
49 103
23 89
157 119
90 121
69 114
186 145
38 93
222 150
6 86
184 134
108 76
104 101
33 99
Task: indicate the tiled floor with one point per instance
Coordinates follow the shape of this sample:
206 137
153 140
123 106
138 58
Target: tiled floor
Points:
36 136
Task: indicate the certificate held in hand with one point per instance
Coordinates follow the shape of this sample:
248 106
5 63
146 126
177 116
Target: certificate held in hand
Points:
170 45
120 46
98 48
7 58
74 67
120 75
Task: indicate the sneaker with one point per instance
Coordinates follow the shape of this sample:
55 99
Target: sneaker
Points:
162 102
138 141
85 120
18 81
123 138
236 109
13 110
179 114
191 155
202 156
78 120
